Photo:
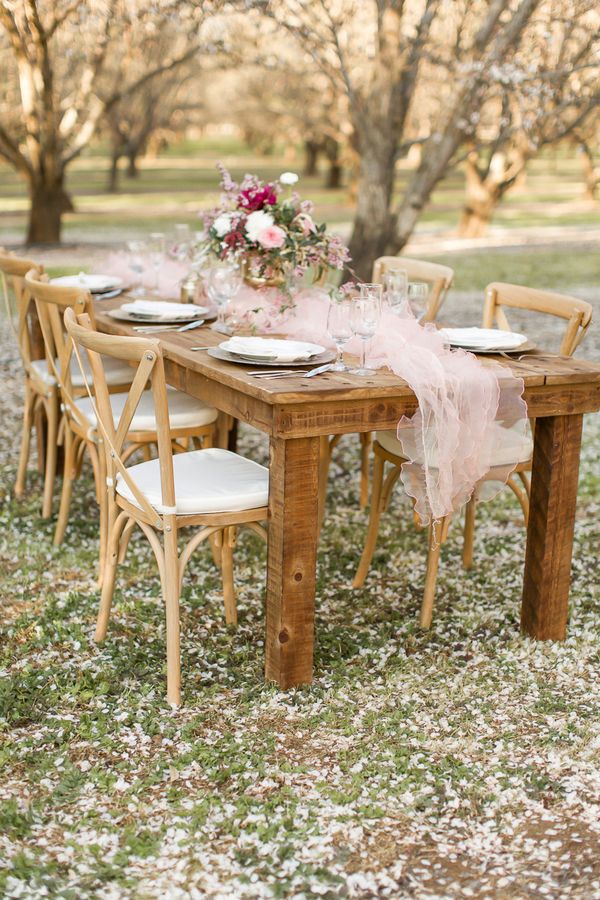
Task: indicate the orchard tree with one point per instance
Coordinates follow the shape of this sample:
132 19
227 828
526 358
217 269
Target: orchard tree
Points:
549 92
387 56
69 66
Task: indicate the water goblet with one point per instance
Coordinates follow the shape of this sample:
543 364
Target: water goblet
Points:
365 315
156 250
222 284
137 251
180 242
339 327
395 286
418 296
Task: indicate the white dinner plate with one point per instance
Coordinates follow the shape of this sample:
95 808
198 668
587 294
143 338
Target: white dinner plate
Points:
96 284
484 340
189 312
280 350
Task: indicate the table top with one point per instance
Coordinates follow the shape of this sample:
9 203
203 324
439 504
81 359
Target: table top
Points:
536 368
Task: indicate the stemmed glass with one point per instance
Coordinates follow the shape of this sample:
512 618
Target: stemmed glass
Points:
222 284
395 286
339 327
156 250
180 243
137 251
365 314
418 295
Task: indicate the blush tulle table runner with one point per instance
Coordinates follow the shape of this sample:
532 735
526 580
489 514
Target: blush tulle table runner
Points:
467 413
470 415
170 274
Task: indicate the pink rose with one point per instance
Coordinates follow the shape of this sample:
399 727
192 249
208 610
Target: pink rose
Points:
271 237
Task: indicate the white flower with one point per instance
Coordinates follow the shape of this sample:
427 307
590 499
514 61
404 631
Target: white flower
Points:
257 222
222 224
288 178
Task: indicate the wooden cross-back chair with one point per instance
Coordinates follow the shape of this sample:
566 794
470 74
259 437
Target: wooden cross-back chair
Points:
214 489
439 278
387 449
192 419
40 407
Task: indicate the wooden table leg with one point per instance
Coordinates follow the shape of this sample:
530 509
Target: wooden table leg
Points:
554 481
292 557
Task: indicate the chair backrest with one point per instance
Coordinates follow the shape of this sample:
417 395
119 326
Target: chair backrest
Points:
22 319
577 313
438 277
51 301
148 355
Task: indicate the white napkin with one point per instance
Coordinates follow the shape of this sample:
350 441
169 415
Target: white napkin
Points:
271 348
162 309
484 338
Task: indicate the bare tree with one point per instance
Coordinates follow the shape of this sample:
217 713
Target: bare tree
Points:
384 55
61 83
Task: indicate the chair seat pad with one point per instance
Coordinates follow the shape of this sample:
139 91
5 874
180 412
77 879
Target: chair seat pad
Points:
117 371
184 411
206 481
516 448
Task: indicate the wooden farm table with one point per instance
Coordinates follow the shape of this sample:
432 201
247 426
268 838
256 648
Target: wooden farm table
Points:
296 413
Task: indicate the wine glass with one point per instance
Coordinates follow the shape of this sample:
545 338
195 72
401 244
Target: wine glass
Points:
137 252
180 242
365 314
339 327
418 296
395 286
156 250
222 284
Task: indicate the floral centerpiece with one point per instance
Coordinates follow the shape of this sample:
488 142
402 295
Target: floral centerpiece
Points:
271 230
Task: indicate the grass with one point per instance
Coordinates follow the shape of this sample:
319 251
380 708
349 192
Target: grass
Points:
173 187
458 762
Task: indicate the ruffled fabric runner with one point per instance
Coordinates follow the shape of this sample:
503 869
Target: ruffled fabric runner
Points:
471 416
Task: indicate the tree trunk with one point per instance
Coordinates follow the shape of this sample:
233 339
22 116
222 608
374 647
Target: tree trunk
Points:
373 229
112 185
48 202
311 157
132 166
591 174
334 174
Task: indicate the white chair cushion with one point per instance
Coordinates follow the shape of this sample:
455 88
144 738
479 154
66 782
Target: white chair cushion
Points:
517 448
116 370
206 481
184 411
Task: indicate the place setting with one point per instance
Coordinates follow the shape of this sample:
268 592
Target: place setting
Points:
274 353
101 287
148 316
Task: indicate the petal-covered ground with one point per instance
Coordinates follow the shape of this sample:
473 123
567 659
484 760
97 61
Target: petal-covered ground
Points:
462 762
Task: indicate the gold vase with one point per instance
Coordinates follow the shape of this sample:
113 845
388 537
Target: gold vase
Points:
254 276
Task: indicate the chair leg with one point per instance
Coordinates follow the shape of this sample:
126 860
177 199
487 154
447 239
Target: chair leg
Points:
227 545
469 532
366 442
437 535
171 598
104 518
25 441
373 527
127 531
51 452
40 436
108 579
71 445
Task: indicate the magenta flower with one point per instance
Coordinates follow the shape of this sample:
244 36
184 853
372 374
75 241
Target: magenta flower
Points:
254 198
